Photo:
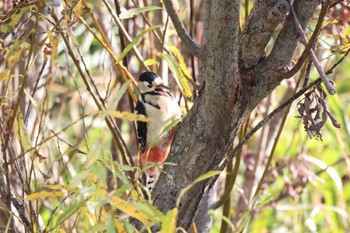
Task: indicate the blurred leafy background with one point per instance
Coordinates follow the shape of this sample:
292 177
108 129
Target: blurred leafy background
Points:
68 145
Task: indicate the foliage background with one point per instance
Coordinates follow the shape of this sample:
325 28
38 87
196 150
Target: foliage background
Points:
67 128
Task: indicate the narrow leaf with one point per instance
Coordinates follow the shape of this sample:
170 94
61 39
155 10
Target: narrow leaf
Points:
177 73
128 116
77 179
150 62
130 13
60 187
182 64
33 101
130 209
134 42
74 207
121 91
166 128
21 132
169 221
44 194
199 179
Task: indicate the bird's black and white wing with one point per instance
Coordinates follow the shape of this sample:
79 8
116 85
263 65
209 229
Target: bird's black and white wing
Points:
141 127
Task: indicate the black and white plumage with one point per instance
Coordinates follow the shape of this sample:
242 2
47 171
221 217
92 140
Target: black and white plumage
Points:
157 103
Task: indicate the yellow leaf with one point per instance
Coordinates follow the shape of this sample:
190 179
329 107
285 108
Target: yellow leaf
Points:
44 194
11 23
60 187
169 222
79 7
130 210
15 52
150 62
92 217
182 64
4 76
54 44
21 131
177 73
119 227
33 101
128 116
134 195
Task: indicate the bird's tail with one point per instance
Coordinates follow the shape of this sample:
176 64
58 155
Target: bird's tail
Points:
149 179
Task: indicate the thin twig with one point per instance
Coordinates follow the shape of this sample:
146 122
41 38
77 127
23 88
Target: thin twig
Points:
232 151
190 44
304 41
125 33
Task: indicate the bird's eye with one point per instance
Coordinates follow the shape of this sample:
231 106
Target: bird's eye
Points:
149 85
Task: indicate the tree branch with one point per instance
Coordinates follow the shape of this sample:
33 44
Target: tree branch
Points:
231 153
262 22
190 44
304 41
287 41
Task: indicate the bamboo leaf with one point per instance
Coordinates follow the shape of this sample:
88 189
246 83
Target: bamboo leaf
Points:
128 116
178 74
10 23
222 217
166 128
110 225
130 209
205 176
169 221
44 194
33 101
21 131
130 13
122 90
74 207
4 76
182 64
15 52
77 179
150 62
134 42
61 187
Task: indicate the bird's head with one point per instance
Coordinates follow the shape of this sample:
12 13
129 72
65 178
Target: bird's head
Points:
150 81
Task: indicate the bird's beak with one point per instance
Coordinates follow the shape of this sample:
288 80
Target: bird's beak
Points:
163 86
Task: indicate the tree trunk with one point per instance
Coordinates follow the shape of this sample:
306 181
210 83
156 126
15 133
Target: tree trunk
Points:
228 94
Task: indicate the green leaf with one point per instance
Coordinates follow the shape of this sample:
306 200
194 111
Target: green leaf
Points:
346 31
205 176
110 225
130 13
15 52
166 128
74 207
77 179
222 217
121 91
178 74
10 23
134 42
169 221
150 62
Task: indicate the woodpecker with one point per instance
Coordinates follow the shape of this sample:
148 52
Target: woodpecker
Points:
156 102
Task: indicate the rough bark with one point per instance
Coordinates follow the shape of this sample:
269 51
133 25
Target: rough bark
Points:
226 98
